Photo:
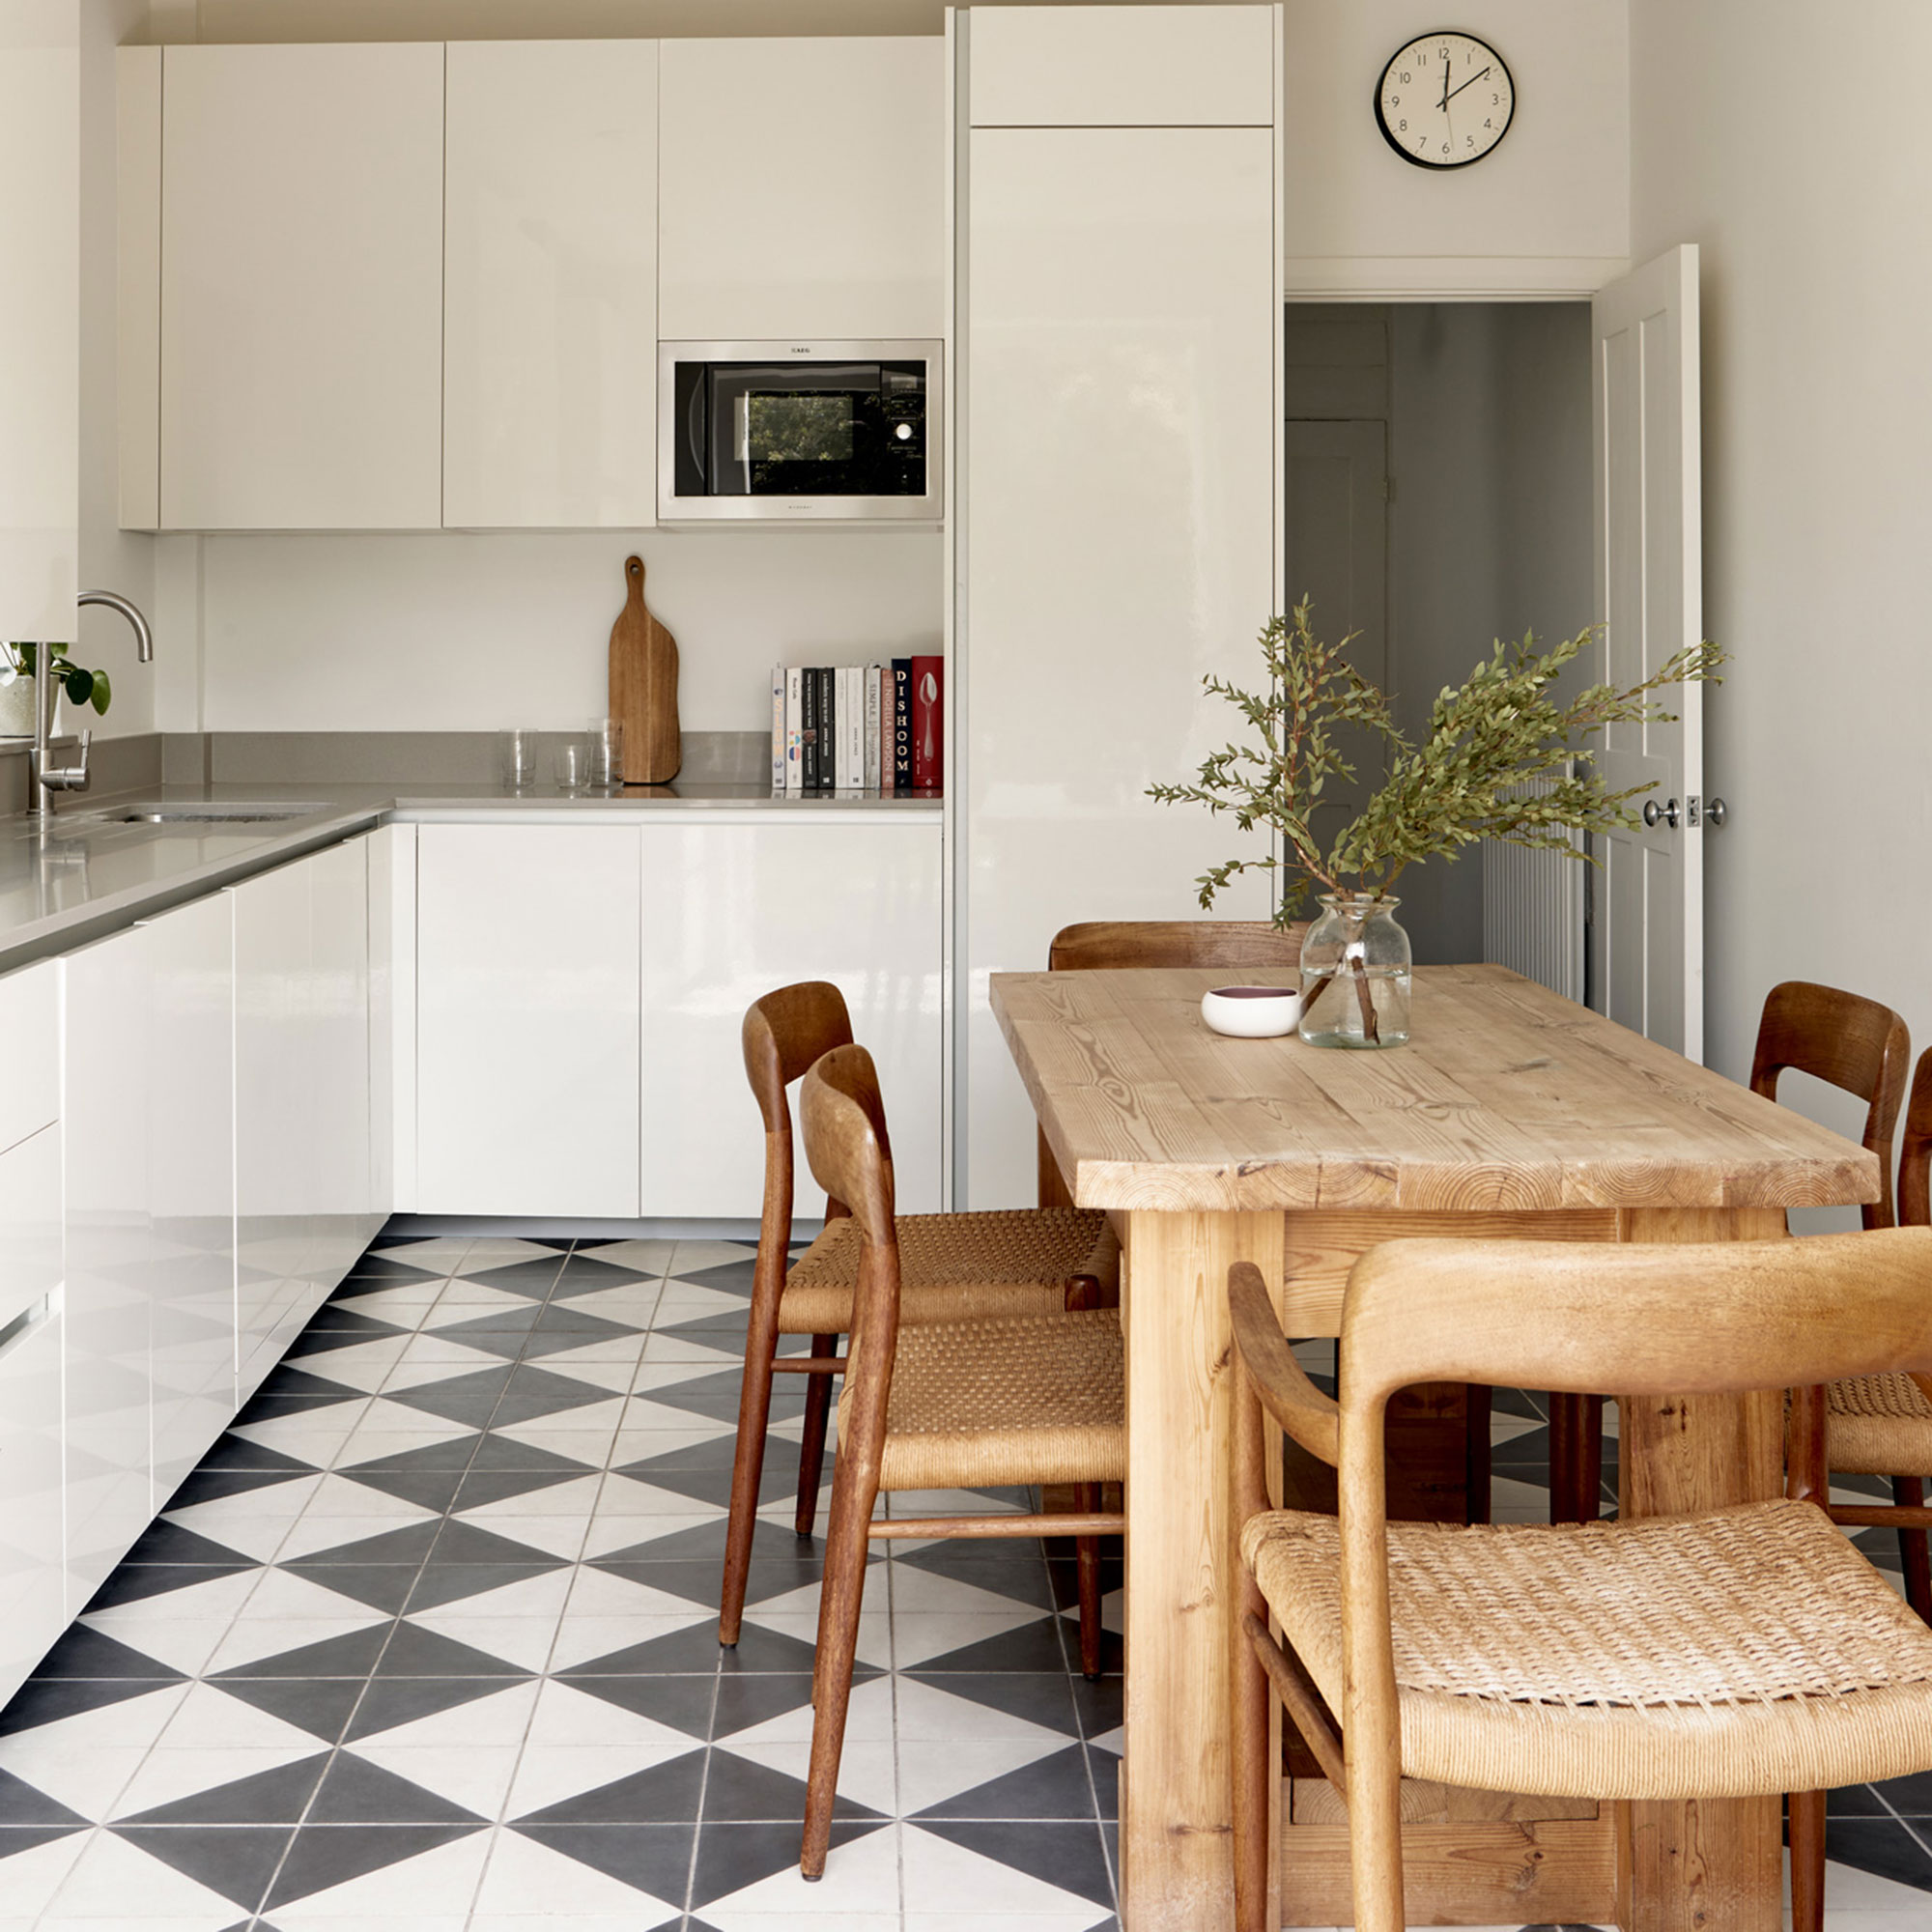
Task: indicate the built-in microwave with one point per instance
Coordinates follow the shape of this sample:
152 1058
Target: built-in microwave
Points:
798 432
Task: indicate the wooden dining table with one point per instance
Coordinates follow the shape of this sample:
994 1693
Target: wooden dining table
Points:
1511 1112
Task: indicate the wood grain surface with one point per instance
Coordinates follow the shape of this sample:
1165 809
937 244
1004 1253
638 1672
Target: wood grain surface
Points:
643 686
1508 1097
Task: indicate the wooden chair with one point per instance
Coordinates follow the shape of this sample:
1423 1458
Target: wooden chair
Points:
1224 944
1853 1043
997 1401
1738 1653
1026 1262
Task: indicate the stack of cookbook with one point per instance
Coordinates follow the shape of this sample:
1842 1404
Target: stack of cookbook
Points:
860 727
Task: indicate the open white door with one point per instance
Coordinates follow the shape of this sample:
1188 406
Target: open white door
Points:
1647 938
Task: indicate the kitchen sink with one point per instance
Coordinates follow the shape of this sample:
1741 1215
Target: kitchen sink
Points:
209 812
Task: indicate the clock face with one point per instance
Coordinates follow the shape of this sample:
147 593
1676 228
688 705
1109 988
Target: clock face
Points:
1445 100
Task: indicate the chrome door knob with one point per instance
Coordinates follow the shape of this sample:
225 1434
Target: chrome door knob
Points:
1668 812
1717 811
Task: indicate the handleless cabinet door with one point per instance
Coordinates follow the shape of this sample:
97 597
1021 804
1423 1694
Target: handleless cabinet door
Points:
191 1183
107 1142
527 1019
302 287
550 323
33 1590
802 190
343 1208
733 910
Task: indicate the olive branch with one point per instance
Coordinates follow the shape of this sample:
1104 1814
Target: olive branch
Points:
1488 741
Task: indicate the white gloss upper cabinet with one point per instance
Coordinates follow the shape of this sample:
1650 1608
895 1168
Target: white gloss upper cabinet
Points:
734 909
190 1182
302 287
1122 67
550 363
802 189
527 1019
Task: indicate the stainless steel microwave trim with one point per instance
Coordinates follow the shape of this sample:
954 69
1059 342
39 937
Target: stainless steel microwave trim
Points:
675 509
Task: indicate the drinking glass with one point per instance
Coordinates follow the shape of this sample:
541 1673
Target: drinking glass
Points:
519 759
605 739
570 763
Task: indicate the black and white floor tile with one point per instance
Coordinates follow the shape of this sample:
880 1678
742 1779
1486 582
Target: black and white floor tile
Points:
429 1641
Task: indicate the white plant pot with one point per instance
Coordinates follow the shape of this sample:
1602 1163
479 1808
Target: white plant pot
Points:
16 708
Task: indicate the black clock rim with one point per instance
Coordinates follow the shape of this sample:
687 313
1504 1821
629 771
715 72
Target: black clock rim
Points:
1418 161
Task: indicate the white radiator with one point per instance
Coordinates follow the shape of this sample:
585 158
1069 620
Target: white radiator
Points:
1533 911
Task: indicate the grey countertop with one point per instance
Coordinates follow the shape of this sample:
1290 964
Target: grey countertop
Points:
90 874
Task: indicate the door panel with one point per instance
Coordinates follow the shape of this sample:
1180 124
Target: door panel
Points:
1647 941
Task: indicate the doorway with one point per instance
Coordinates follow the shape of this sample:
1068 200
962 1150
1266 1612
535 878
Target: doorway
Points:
1438 495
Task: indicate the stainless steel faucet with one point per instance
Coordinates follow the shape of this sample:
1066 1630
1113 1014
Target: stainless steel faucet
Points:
44 780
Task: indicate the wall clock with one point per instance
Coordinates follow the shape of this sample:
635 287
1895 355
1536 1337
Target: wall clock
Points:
1445 100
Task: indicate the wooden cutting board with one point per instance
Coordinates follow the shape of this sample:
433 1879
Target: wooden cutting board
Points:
643 686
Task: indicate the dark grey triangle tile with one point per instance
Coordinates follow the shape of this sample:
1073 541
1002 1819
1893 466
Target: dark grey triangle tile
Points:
17 1838
1058 1786
584 1272
439 1456
1043 1697
428 1489
532 1278
408 1545
1070 1856
286 1382
684 1703
383 1586
727 1277
82 1651
666 1794
652 1858
277 1797
749 1698
505 1453
696 1650
235 1452
741 1791
390 1267
329 1855
715 1396
1101 1703
1034 1647
353 1655
585 1325
165 1542
732 1856
542 1341
320 1706
23 1803
534 1393
354 1791
495 1486
454 1582
235 1860
132 1582
467 1398
389 1701
698 1582
207 1486
45 1700
460 1542
505 1343
1014 1571
416 1652
1880 1845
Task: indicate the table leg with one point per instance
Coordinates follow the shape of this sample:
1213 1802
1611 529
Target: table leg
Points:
1177 1872
1701 1865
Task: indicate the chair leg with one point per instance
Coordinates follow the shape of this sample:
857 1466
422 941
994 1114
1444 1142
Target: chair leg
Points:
747 1468
1909 1492
1087 1565
811 1445
1575 1458
1807 1861
840 1598
1253 1780
1374 1845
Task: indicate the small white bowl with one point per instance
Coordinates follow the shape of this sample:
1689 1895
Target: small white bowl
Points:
1252 1013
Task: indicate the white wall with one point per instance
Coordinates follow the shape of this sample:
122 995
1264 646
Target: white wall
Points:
474 633
1817 481
1548 210
39 376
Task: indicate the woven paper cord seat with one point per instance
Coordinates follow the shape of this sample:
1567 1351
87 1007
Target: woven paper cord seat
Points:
956 1267
1880 1426
1765 1653
978 1405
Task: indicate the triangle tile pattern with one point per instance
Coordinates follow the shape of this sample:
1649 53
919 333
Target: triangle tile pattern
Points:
427 1640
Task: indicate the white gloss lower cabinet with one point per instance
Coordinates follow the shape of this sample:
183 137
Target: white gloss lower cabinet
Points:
34 1605
303 1199
106 1139
734 908
527 1019
190 1184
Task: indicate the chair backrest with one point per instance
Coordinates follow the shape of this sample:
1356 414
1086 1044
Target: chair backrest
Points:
1852 1042
1175 942
784 1032
851 1157
1915 1150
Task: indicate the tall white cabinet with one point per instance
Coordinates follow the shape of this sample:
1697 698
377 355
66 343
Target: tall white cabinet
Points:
301 287
1120 339
550 319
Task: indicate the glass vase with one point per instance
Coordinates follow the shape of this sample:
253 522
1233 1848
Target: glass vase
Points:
1355 974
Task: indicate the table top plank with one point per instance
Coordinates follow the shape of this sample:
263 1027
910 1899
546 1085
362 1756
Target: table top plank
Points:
1507 1097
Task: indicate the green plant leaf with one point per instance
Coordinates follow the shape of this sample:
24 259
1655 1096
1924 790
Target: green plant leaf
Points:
102 696
79 683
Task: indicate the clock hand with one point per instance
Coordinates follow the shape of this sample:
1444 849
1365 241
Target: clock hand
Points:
1444 103
1471 82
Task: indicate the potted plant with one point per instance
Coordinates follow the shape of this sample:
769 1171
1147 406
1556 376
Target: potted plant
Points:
1498 759
19 687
